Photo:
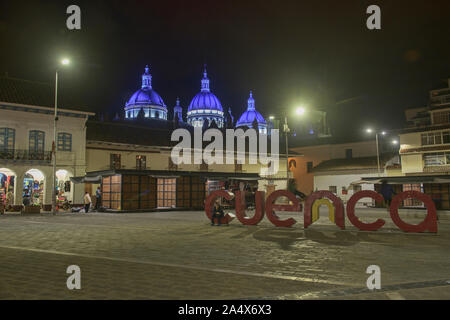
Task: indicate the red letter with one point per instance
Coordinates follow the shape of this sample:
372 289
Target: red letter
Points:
210 202
259 210
351 211
270 207
340 219
429 223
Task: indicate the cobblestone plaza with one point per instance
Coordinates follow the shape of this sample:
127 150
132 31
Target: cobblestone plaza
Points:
178 255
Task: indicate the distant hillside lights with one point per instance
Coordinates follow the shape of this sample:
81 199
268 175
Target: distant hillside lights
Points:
214 152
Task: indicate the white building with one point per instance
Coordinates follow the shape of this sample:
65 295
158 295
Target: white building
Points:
26 139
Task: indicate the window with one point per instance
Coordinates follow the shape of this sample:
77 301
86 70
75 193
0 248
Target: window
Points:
348 153
309 167
332 189
141 162
446 137
64 141
115 161
441 117
37 141
435 159
7 139
167 193
356 188
432 138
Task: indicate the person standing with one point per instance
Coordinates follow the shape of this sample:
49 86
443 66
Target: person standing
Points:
387 192
98 197
87 202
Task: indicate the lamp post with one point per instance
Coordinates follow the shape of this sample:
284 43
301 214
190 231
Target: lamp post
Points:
64 62
300 112
378 150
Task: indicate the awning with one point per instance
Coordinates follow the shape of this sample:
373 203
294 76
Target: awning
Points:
93 179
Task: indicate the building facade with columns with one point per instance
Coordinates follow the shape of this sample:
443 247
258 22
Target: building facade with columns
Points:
26 139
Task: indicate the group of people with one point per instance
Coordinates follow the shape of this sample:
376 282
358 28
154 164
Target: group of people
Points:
88 201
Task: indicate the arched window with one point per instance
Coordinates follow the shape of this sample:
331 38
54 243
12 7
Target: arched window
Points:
7 139
37 141
64 141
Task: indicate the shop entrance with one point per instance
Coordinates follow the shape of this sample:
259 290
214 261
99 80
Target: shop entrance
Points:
7 187
64 186
33 187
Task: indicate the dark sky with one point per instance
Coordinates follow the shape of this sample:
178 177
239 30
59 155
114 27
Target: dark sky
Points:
288 52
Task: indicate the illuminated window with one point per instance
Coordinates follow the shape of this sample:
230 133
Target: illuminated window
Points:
64 141
435 159
141 162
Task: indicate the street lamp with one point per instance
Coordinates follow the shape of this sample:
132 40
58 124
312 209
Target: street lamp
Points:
300 111
64 62
369 130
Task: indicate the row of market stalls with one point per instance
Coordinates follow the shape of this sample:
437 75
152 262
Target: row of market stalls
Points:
130 190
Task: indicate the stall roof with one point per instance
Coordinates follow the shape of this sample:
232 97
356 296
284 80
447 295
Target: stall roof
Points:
96 176
404 180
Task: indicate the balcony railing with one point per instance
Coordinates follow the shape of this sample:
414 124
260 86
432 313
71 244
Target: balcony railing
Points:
25 155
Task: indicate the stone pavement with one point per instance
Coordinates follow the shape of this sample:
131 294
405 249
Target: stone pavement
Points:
178 255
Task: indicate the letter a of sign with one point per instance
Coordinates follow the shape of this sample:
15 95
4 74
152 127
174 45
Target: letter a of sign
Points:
374 21
74 281
74 21
374 281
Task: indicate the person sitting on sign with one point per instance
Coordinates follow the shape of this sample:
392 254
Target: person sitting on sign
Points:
217 213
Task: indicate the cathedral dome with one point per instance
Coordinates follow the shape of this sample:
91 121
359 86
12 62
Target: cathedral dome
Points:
146 99
205 101
249 116
205 107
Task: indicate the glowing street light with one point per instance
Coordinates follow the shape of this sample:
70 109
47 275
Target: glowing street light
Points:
65 62
394 142
300 111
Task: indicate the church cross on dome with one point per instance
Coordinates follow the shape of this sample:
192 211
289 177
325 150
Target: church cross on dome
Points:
147 79
205 81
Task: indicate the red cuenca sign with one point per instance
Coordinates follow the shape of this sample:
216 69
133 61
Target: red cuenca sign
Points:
269 207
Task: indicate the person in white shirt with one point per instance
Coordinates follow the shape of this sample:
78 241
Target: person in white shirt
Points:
87 202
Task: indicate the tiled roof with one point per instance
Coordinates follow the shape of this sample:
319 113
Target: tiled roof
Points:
364 163
33 93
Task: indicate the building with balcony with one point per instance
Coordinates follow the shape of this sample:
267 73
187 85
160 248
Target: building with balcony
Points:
26 139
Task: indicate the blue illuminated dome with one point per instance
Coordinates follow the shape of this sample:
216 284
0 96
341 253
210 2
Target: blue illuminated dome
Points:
146 99
205 106
249 116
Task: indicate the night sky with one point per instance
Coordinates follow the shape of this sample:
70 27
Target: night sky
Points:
315 53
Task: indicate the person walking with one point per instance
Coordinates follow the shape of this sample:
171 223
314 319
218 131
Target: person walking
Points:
98 197
387 192
217 213
87 202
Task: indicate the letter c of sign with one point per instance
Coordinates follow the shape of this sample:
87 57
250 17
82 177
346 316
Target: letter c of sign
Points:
270 207
351 211
430 222
210 202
